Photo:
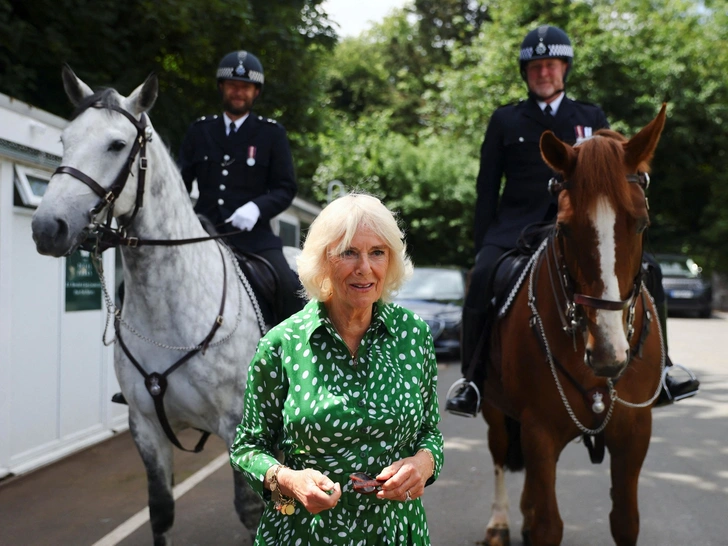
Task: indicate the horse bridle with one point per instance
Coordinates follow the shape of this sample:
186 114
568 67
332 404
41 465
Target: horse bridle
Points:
109 197
566 282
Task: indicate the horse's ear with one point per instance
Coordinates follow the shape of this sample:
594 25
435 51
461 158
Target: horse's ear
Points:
143 97
641 147
75 88
557 154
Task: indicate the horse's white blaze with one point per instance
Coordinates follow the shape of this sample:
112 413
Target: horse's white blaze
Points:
609 322
499 517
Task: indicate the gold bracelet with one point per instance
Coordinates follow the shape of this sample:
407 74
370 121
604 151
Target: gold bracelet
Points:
432 459
284 504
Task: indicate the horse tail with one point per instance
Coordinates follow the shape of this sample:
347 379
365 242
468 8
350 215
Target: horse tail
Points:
514 454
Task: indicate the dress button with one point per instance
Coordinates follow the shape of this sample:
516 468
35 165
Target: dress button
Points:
222 187
224 172
221 201
362 403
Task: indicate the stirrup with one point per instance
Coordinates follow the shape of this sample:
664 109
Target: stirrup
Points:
691 375
451 391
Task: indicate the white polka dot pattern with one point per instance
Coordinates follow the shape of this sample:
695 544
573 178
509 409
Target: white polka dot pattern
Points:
337 415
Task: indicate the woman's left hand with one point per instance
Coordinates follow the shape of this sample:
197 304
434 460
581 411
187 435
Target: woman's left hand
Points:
406 478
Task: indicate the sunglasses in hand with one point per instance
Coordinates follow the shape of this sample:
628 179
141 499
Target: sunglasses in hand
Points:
365 485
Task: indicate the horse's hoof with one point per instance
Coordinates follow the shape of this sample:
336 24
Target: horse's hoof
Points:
497 537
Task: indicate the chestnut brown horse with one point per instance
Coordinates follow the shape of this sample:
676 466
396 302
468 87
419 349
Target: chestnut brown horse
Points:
578 350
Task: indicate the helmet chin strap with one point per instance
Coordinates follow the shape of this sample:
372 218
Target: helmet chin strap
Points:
534 96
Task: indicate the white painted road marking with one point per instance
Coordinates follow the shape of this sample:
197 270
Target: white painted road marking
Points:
141 517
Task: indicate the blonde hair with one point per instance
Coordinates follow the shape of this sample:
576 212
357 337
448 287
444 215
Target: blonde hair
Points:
332 232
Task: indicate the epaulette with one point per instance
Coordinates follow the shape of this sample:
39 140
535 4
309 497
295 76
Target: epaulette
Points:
207 118
268 120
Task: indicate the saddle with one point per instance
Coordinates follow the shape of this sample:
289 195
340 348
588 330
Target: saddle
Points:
506 275
263 278
510 266
261 275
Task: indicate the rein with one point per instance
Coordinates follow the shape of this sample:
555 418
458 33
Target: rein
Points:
107 236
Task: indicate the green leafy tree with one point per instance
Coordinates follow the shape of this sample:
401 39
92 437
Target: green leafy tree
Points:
117 44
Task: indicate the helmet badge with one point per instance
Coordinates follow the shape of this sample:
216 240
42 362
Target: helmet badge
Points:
540 49
240 70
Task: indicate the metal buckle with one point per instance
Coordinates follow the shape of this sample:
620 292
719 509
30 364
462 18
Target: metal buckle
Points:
143 163
132 242
109 197
219 320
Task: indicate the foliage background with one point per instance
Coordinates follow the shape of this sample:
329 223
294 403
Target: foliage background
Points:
401 110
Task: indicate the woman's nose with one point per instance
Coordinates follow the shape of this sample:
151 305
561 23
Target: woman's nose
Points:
364 265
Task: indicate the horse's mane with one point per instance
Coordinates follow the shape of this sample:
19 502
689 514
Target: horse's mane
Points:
106 97
600 171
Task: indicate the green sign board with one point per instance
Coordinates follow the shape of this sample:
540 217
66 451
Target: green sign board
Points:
83 286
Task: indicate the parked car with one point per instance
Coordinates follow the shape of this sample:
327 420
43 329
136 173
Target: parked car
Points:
436 294
685 288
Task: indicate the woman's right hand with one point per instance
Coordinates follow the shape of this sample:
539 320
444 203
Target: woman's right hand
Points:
314 490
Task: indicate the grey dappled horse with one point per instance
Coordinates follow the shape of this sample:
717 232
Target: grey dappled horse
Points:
173 293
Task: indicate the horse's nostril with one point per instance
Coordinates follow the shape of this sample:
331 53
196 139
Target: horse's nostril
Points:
62 231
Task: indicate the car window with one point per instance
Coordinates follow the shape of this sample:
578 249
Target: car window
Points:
679 268
434 284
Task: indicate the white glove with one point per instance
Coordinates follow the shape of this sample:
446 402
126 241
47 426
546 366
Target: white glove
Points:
245 217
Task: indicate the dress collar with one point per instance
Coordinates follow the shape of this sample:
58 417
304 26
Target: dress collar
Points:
315 316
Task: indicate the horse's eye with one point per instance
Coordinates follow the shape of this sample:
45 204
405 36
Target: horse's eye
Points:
117 146
642 225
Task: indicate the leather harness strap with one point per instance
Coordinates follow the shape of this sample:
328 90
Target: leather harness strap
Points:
156 383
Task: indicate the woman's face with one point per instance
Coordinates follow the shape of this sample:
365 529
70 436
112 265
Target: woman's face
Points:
358 273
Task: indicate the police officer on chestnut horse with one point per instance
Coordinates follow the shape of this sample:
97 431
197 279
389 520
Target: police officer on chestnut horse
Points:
511 149
244 170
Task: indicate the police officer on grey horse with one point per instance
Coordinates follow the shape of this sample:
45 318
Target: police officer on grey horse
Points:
244 170
511 149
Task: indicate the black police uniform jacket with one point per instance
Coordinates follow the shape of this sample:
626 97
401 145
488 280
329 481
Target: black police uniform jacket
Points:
511 148
254 164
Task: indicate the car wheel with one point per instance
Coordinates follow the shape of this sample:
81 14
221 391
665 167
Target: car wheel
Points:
705 313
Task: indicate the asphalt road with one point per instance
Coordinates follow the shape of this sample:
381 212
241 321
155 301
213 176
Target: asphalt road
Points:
89 498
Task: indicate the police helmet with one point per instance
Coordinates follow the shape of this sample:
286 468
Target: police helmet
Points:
241 66
546 42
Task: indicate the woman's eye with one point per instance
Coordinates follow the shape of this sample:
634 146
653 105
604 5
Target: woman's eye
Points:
348 253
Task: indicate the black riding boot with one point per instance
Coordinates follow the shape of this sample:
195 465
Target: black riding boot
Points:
464 395
672 389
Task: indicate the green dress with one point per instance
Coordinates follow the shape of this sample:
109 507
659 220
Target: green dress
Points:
336 415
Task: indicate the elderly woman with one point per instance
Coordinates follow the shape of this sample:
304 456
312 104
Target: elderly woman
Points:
345 386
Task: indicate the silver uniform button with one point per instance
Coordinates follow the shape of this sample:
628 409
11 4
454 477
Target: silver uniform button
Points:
520 139
221 201
222 187
226 157
224 172
205 158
